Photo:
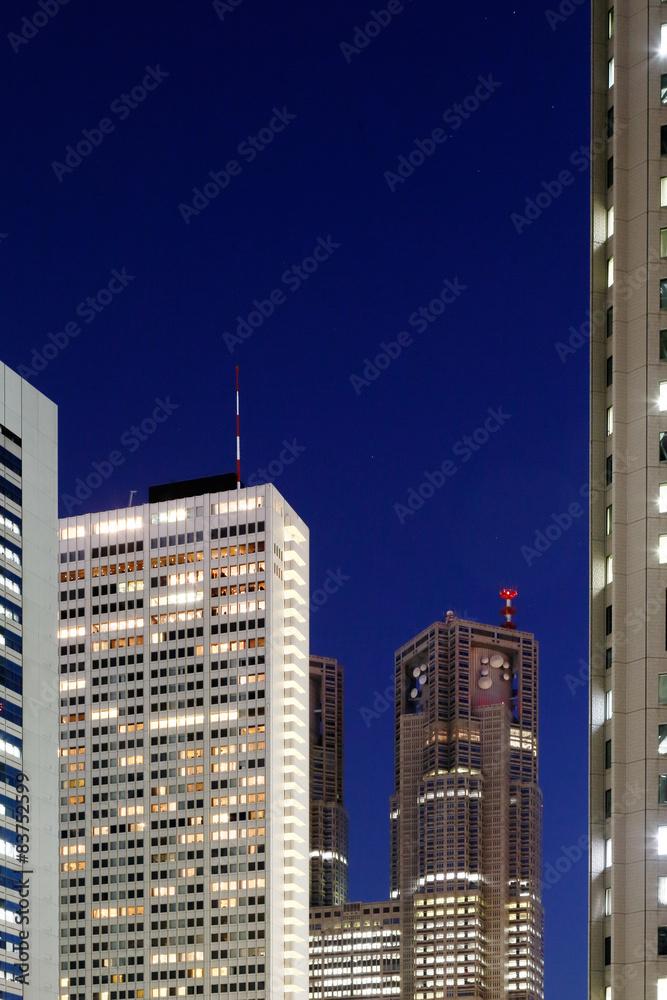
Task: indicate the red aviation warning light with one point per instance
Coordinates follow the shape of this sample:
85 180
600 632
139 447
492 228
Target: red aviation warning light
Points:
508 594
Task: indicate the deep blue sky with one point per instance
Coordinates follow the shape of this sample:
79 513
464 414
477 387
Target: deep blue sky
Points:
221 75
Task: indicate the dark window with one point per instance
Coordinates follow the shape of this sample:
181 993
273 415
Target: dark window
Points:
663 140
607 951
663 88
610 171
607 658
610 122
662 940
610 321
663 293
607 754
607 803
610 369
608 619
609 469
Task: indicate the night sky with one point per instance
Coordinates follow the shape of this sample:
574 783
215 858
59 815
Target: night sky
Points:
195 186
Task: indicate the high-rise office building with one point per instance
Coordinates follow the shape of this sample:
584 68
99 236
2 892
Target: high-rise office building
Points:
29 938
466 819
328 816
185 746
628 664
465 917
355 951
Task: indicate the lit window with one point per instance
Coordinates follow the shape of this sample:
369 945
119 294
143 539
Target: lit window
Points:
662 399
662 549
609 569
663 39
610 420
610 72
663 192
662 739
662 689
607 902
608 520
610 22
662 988
662 840
607 993
607 852
662 890
662 499
610 273
610 224
607 705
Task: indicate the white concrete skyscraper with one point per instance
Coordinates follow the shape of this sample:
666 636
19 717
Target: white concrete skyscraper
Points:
185 746
628 659
29 933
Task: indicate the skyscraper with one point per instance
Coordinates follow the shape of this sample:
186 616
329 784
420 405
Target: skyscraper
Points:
328 816
29 941
466 819
628 665
184 736
465 917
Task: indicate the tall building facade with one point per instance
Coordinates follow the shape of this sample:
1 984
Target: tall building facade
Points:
29 938
628 685
185 747
328 816
355 951
466 814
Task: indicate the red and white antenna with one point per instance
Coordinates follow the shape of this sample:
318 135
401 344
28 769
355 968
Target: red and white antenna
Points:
508 594
238 435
